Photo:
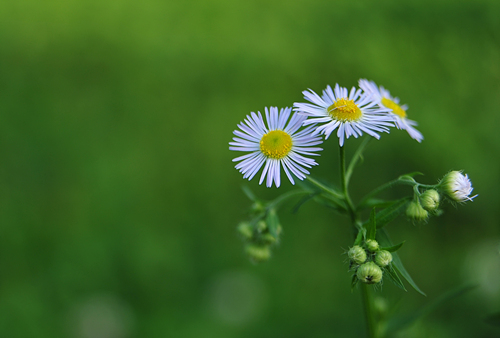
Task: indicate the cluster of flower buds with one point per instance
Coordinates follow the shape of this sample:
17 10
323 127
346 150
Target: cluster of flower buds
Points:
454 185
259 239
422 205
368 261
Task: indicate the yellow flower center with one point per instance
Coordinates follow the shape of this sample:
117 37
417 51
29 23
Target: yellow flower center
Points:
345 110
276 144
396 109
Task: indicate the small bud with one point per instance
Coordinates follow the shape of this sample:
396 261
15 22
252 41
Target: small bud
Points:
371 245
430 199
457 186
383 258
415 211
268 238
245 229
369 273
261 226
258 253
357 254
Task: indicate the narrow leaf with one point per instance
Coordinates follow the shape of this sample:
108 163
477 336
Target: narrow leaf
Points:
384 241
272 222
393 248
360 236
389 214
249 193
394 277
371 229
413 174
354 281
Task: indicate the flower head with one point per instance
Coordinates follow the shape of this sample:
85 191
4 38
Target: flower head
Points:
416 211
369 273
351 113
385 100
457 186
275 145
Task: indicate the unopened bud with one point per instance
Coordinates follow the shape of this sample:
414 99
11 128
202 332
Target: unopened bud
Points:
383 258
415 211
430 199
258 253
268 238
261 226
371 245
369 273
245 229
357 254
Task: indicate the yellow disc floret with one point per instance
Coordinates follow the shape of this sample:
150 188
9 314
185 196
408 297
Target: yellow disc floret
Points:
276 144
345 110
396 108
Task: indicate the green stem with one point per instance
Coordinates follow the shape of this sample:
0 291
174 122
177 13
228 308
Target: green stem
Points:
325 188
368 307
350 206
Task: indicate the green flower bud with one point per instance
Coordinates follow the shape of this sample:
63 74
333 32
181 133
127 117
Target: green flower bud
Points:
369 273
457 186
416 212
383 258
430 199
357 254
245 229
261 226
268 238
258 253
371 245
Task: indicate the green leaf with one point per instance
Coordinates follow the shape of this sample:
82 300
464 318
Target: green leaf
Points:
398 323
378 203
413 174
360 236
371 227
390 213
273 222
384 241
394 277
304 200
249 193
393 248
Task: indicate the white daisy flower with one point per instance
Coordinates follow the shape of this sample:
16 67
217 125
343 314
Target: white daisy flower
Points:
385 100
279 144
457 186
351 113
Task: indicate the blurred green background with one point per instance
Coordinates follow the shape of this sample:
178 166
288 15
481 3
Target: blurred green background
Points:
119 200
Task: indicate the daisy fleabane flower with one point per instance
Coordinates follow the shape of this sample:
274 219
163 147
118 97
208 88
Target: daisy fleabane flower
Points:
276 145
385 100
457 186
351 113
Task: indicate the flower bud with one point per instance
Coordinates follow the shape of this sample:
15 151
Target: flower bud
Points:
383 258
416 212
245 229
268 238
430 199
261 226
369 273
357 254
371 245
258 253
457 186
